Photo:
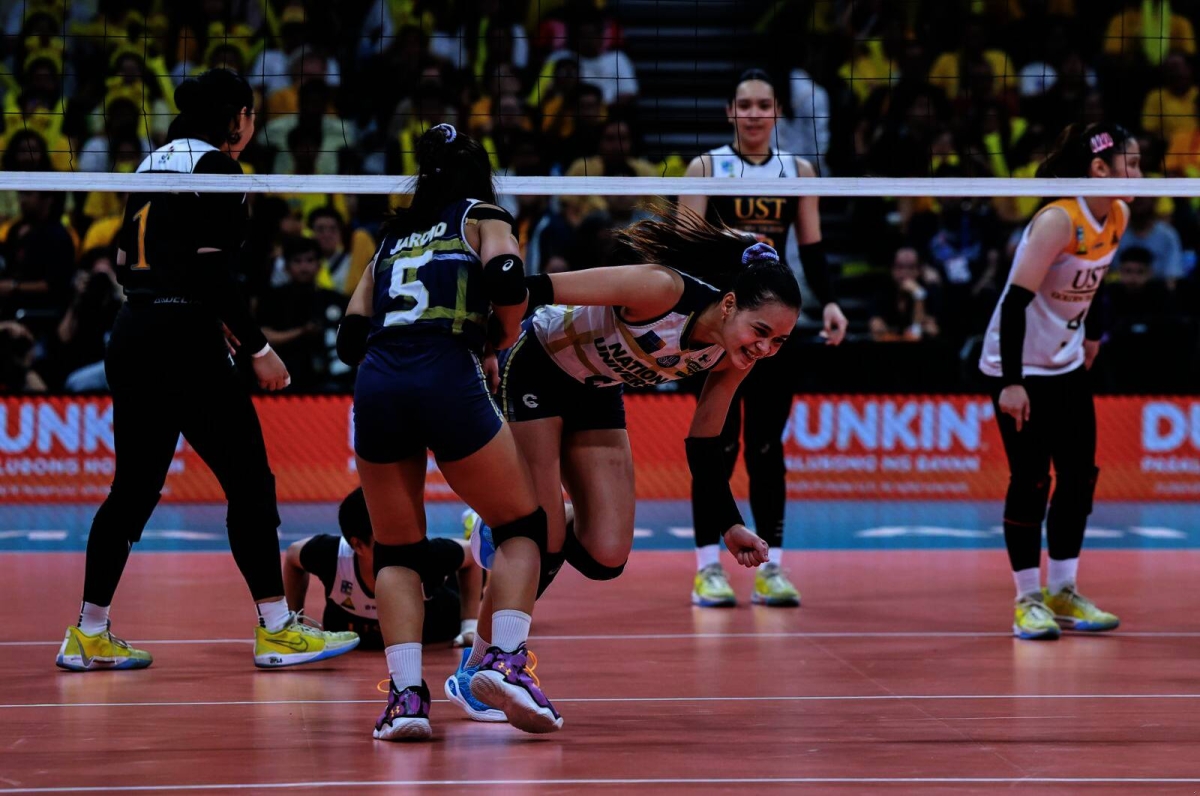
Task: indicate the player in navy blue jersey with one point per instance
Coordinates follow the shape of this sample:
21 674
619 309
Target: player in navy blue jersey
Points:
417 328
171 372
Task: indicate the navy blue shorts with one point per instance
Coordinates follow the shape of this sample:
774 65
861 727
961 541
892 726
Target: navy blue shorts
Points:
533 387
419 393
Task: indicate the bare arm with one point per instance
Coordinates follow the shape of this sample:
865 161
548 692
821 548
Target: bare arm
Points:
808 211
295 578
697 168
1049 233
715 398
644 290
361 299
496 240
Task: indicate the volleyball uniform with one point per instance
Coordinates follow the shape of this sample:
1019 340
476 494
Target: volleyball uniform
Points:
770 217
1061 429
1054 320
573 362
350 605
170 373
421 385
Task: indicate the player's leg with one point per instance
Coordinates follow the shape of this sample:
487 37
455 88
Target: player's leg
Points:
219 421
710 586
597 469
1073 453
144 438
767 404
479 457
404 562
1028 453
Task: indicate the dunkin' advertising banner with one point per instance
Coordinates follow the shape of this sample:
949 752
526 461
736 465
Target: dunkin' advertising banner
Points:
60 449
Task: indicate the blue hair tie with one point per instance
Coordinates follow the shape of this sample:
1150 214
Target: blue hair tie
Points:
447 130
760 252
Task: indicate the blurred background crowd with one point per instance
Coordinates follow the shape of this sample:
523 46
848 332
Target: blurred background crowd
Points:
929 88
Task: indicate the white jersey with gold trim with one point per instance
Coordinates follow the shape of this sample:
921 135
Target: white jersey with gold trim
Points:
1054 319
596 346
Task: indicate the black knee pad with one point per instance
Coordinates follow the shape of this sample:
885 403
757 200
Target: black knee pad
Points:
531 526
1025 503
581 559
1075 491
551 564
420 557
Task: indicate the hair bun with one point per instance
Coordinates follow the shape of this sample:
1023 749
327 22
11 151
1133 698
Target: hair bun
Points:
759 253
190 96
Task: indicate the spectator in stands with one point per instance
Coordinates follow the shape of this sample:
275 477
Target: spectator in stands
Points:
950 67
16 360
1141 30
1148 231
75 352
905 310
39 258
25 150
965 248
611 71
1137 294
278 68
344 255
1170 110
590 115
615 158
490 34
300 319
332 134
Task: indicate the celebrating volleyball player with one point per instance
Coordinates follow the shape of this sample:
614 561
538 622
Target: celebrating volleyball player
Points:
417 323
170 373
766 396
1040 343
704 298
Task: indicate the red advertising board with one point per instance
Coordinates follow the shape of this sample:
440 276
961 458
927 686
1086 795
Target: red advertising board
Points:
837 447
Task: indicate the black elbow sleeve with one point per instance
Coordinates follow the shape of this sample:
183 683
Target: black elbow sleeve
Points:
716 510
1012 333
816 271
352 339
504 279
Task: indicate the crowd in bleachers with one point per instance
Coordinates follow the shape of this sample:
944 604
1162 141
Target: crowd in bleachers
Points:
871 87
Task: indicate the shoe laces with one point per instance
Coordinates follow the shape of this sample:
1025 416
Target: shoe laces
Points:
530 665
1036 608
714 577
301 623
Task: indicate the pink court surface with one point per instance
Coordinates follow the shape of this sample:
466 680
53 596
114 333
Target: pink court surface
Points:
897 676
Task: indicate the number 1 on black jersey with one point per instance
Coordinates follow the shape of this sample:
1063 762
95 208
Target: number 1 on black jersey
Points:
141 216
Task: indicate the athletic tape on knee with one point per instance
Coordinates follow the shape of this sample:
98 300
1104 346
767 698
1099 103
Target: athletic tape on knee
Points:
1025 503
532 526
551 565
584 563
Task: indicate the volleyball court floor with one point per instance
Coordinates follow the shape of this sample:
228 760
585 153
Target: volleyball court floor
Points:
899 674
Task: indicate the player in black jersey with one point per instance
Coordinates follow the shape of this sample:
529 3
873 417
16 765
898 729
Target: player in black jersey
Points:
171 372
344 565
766 395
416 327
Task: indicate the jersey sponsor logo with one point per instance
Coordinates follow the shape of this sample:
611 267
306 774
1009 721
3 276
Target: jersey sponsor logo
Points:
347 603
626 366
347 587
419 239
1080 243
530 400
669 361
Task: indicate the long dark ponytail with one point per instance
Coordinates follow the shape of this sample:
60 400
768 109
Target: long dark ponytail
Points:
728 260
1079 145
451 166
209 106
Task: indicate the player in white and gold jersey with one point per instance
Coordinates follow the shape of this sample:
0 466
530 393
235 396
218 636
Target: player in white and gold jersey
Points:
1040 343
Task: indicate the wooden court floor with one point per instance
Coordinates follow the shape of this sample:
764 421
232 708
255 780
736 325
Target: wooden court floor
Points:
897 676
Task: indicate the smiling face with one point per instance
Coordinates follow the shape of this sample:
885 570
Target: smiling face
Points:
752 113
749 334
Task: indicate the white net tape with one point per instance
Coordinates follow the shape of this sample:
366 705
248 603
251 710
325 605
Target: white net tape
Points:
607 186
